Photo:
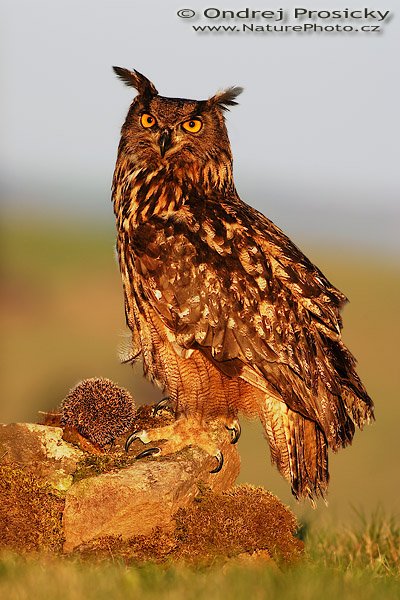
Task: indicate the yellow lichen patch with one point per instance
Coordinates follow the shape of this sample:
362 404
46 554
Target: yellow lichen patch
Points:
96 464
30 512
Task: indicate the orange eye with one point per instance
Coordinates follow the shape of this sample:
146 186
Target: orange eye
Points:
147 120
193 125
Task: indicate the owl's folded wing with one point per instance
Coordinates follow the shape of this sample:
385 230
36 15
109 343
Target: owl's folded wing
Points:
245 292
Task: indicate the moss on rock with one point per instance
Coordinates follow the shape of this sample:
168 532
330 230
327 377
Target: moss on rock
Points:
30 512
244 521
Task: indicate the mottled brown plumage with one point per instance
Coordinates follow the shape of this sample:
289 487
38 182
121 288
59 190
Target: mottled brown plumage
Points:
226 313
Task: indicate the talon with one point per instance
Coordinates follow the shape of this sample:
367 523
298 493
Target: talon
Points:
220 458
236 430
164 403
148 452
131 439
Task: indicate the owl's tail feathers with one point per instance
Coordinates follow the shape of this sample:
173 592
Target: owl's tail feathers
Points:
298 448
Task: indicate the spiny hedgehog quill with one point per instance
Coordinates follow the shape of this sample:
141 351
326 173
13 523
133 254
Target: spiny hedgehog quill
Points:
99 410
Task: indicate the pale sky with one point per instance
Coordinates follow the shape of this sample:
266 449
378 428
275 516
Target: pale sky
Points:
316 131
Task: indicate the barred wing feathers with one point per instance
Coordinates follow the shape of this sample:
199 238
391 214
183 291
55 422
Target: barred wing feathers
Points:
226 280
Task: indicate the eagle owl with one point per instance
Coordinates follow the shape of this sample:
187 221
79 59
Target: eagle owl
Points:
227 314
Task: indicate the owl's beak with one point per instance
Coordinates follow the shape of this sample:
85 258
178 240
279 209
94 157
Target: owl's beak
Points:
164 141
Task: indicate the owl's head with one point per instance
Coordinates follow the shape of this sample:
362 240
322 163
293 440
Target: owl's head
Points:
164 131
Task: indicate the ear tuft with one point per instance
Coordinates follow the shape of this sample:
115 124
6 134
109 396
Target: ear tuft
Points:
136 80
226 98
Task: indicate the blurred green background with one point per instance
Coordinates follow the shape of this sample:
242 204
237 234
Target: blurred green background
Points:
63 320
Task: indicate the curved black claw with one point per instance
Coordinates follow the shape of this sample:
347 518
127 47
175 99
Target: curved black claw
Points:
236 430
164 403
148 452
220 458
131 438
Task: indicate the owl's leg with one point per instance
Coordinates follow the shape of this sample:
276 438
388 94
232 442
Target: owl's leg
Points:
180 434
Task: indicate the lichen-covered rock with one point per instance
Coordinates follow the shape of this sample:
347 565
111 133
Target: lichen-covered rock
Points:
40 450
243 526
57 497
136 499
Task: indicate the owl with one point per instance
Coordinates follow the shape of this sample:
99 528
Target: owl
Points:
227 314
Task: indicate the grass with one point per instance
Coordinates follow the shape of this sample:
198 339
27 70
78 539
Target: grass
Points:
371 545
361 562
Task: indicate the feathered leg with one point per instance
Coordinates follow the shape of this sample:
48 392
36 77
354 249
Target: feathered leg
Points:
298 448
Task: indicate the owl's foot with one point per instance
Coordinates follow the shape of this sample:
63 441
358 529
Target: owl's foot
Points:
149 452
235 430
164 404
178 435
220 459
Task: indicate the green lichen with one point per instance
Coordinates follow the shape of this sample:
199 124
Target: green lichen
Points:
97 464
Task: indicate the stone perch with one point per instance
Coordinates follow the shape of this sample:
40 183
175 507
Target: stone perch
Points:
126 500
64 492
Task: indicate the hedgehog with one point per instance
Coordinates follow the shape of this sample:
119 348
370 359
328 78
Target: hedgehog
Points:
99 410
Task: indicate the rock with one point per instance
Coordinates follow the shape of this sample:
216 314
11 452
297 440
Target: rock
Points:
130 498
60 498
41 450
244 526
245 522
136 499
